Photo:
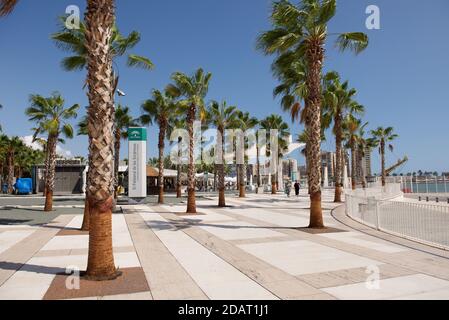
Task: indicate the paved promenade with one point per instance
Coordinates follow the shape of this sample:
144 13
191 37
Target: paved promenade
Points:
257 248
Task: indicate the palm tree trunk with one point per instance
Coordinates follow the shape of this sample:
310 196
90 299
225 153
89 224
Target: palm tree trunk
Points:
50 176
382 154
10 178
258 167
221 170
46 169
191 201
161 146
99 23
338 160
273 184
315 57
117 146
353 165
360 167
242 188
179 168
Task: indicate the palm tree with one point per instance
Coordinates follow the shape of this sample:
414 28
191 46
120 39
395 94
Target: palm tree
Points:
160 110
7 6
223 117
245 123
364 146
381 137
100 16
303 30
338 103
275 122
193 89
75 42
51 118
353 126
12 148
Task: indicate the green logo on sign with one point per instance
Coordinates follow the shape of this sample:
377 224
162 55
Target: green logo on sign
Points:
137 134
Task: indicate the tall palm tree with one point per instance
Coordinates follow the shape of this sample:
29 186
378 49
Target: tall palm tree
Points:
99 19
223 117
75 42
159 109
193 89
303 29
51 118
12 147
381 137
7 6
353 126
338 103
275 122
245 123
364 146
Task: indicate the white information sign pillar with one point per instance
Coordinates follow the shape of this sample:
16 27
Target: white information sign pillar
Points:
137 167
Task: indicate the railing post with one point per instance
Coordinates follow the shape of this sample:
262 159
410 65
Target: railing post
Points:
377 215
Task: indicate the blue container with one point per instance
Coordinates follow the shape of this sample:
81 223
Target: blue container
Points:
24 186
5 188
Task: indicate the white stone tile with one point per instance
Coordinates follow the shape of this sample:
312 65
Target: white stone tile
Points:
67 242
10 238
26 285
359 239
209 218
238 230
394 288
442 294
242 290
126 260
305 257
217 278
76 222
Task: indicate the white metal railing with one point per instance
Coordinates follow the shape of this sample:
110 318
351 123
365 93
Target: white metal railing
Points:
425 223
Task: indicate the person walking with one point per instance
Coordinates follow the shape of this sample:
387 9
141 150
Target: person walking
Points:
297 188
288 188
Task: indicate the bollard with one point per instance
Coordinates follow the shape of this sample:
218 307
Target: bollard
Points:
421 199
427 199
437 200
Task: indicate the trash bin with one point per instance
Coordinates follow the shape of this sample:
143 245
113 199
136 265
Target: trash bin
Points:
5 188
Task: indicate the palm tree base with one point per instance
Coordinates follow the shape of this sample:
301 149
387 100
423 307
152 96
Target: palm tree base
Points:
116 274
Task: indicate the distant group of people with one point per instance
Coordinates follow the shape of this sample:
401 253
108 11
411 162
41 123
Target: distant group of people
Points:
288 188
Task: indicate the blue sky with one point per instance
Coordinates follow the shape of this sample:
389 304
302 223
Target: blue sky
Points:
402 78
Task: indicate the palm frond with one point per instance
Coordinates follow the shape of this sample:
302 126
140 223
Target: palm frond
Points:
140 62
355 41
